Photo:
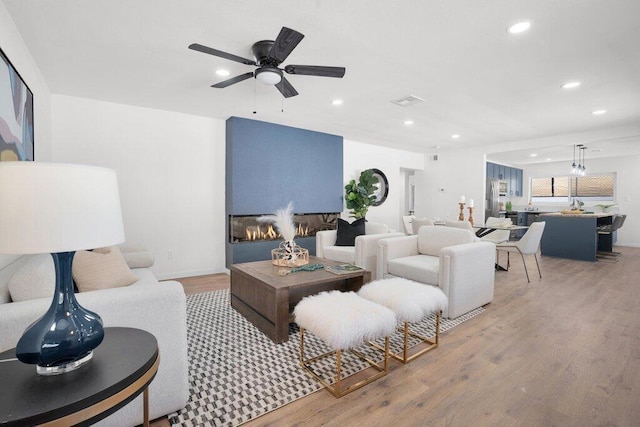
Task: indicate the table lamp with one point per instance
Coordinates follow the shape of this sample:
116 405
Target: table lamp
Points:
59 209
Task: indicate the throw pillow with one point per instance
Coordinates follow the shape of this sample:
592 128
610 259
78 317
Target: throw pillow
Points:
102 268
347 233
35 279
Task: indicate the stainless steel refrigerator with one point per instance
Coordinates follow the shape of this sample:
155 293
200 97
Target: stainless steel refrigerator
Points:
492 205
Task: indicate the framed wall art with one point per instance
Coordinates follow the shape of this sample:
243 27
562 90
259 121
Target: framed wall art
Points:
16 114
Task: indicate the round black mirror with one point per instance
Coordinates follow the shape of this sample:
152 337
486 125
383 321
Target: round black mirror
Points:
382 187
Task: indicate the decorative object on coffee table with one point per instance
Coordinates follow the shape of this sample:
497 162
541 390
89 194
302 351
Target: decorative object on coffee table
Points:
288 254
59 209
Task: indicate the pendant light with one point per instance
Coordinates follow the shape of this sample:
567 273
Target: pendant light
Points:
574 169
583 167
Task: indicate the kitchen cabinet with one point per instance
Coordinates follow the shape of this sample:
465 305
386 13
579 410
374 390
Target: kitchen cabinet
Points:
518 182
490 173
513 176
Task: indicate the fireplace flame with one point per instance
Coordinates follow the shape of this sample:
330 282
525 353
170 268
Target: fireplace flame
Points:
267 232
302 231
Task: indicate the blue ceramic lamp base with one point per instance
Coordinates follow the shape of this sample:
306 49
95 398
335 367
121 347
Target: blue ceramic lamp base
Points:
63 339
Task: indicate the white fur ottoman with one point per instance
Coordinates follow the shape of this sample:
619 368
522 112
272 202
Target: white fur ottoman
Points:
410 301
343 320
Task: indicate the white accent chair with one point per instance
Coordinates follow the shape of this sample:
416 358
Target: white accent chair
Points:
528 245
365 251
454 260
497 236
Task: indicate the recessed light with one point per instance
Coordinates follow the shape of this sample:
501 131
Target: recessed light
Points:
571 85
455 136
337 102
519 27
222 73
548 160
533 155
598 112
408 122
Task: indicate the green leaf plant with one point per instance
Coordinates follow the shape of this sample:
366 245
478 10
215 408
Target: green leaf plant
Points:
361 195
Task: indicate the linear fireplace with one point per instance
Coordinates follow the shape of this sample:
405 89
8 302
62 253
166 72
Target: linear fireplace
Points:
246 228
269 165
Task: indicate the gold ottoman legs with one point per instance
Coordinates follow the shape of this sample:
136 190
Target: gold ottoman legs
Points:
338 388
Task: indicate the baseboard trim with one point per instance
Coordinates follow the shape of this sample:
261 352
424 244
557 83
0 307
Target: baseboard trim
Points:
178 275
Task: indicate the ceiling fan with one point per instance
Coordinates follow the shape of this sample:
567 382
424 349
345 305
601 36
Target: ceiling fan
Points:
268 55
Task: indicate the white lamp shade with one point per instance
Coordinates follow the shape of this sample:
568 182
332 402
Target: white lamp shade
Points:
53 207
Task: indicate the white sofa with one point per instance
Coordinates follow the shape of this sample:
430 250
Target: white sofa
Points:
452 259
157 307
363 253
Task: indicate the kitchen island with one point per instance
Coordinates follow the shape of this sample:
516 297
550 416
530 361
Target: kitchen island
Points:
573 236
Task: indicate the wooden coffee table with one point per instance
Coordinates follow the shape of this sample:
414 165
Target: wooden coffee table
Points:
267 299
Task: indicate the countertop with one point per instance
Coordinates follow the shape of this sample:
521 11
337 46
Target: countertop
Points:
523 211
584 215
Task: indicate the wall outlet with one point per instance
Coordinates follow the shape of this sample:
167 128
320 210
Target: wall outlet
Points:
170 255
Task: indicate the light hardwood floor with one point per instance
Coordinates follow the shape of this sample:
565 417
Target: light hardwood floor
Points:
561 350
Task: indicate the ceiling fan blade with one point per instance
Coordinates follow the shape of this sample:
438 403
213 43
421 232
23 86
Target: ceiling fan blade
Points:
287 40
315 70
233 80
221 54
286 89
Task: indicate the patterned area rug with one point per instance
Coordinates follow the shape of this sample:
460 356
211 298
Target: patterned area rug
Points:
237 374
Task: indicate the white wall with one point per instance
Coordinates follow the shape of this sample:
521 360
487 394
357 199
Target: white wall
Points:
14 48
171 175
359 156
443 181
627 196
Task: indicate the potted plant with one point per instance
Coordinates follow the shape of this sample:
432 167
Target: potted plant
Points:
360 195
606 206
509 206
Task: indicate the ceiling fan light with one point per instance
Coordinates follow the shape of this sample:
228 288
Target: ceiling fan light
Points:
269 75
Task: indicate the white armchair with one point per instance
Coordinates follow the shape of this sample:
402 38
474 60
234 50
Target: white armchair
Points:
450 258
363 253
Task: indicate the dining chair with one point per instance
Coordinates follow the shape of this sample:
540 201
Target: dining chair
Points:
529 244
416 223
406 224
605 243
497 236
465 225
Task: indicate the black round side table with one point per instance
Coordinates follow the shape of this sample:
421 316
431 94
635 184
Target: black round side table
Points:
123 366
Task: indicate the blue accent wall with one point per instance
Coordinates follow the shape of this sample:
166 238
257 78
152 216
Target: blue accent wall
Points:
269 165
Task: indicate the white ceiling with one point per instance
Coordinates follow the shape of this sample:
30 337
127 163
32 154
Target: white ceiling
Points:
477 81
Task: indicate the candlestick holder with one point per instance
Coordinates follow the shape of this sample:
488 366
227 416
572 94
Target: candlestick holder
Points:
461 216
471 215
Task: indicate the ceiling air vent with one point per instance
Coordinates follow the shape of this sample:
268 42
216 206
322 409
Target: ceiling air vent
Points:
408 101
